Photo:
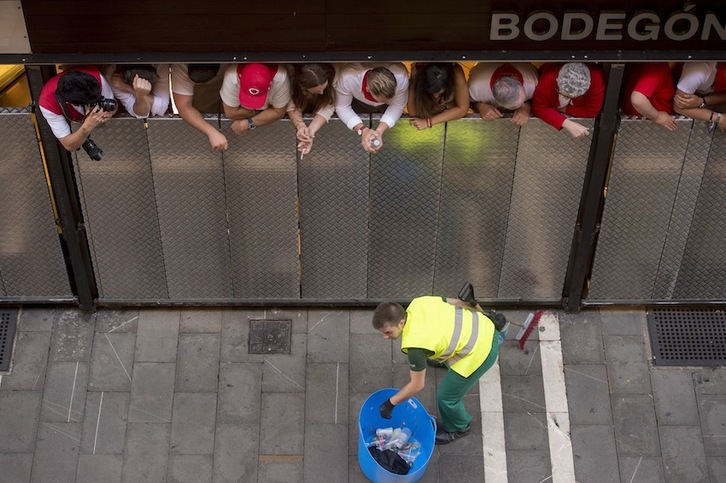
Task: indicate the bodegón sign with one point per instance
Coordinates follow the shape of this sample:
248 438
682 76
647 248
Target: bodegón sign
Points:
619 26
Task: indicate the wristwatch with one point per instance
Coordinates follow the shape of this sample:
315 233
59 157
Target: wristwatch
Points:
251 123
360 131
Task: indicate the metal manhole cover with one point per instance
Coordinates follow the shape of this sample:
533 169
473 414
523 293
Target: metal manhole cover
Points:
688 337
8 321
270 336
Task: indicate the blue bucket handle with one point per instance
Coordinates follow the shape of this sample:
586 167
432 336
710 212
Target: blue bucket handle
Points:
433 423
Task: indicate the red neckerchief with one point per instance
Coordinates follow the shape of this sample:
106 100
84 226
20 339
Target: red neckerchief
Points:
367 94
505 70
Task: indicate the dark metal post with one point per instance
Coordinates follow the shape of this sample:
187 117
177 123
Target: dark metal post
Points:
591 201
63 191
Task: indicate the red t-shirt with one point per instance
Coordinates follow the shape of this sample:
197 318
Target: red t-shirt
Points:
654 81
47 94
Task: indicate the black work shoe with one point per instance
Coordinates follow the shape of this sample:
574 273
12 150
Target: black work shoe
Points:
446 437
436 364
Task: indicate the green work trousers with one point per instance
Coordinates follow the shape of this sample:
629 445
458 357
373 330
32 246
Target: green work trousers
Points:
453 388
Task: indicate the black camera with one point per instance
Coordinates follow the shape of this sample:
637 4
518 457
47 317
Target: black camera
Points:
94 152
107 105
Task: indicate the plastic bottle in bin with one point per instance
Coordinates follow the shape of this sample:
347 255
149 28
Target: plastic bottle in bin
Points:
398 438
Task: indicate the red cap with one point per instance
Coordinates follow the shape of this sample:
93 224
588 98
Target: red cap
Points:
254 82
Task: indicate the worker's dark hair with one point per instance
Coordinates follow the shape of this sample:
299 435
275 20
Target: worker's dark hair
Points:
387 313
201 73
78 88
144 71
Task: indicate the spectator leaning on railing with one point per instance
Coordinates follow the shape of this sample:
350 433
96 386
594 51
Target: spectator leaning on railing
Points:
312 92
496 87
701 93
437 94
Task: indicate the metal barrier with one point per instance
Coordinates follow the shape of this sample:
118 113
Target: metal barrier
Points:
31 260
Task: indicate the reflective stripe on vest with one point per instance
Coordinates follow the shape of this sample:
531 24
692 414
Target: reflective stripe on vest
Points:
466 350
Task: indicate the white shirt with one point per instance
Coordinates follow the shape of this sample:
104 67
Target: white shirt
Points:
278 96
480 77
697 78
59 124
160 91
349 85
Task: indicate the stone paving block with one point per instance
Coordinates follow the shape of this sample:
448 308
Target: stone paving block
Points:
370 363
588 397
95 468
717 469
282 424
515 362
104 427
30 359
17 432
117 320
72 337
627 365
360 321
281 468
147 452
355 474
712 409
240 388
526 432
235 335
326 452
197 364
355 402
37 319
636 430
286 372
641 469
298 316
56 452
709 380
16 467
152 392
684 457
581 338
189 468
328 336
674 396
64 398
157 335
236 450
528 466
326 395
201 320
397 356
623 321
192 424
523 394
112 361
594 453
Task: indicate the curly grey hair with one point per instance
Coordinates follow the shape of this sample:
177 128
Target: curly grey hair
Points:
573 79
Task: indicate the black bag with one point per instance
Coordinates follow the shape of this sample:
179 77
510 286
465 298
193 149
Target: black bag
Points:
390 460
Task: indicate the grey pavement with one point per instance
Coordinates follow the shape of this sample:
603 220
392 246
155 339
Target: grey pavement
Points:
173 395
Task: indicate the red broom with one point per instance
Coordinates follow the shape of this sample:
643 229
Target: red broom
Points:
528 327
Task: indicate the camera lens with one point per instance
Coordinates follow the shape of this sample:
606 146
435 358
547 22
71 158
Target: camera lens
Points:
94 152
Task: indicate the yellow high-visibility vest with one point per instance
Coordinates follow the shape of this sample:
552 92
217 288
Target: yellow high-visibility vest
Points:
460 337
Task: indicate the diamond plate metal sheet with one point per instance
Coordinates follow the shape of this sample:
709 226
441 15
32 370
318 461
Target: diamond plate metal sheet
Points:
703 271
405 190
333 184
644 180
548 180
476 190
261 185
119 210
190 198
31 259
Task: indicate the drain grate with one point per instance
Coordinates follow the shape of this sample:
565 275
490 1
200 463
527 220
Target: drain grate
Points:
8 321
270 336
688 337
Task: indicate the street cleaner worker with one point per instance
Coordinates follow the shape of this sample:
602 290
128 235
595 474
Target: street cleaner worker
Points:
445 333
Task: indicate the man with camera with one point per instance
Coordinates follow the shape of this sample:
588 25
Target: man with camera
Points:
80 94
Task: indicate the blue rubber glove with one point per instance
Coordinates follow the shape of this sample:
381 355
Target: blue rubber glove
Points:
386 409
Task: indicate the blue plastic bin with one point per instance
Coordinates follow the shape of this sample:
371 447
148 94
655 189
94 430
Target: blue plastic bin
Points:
410 414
